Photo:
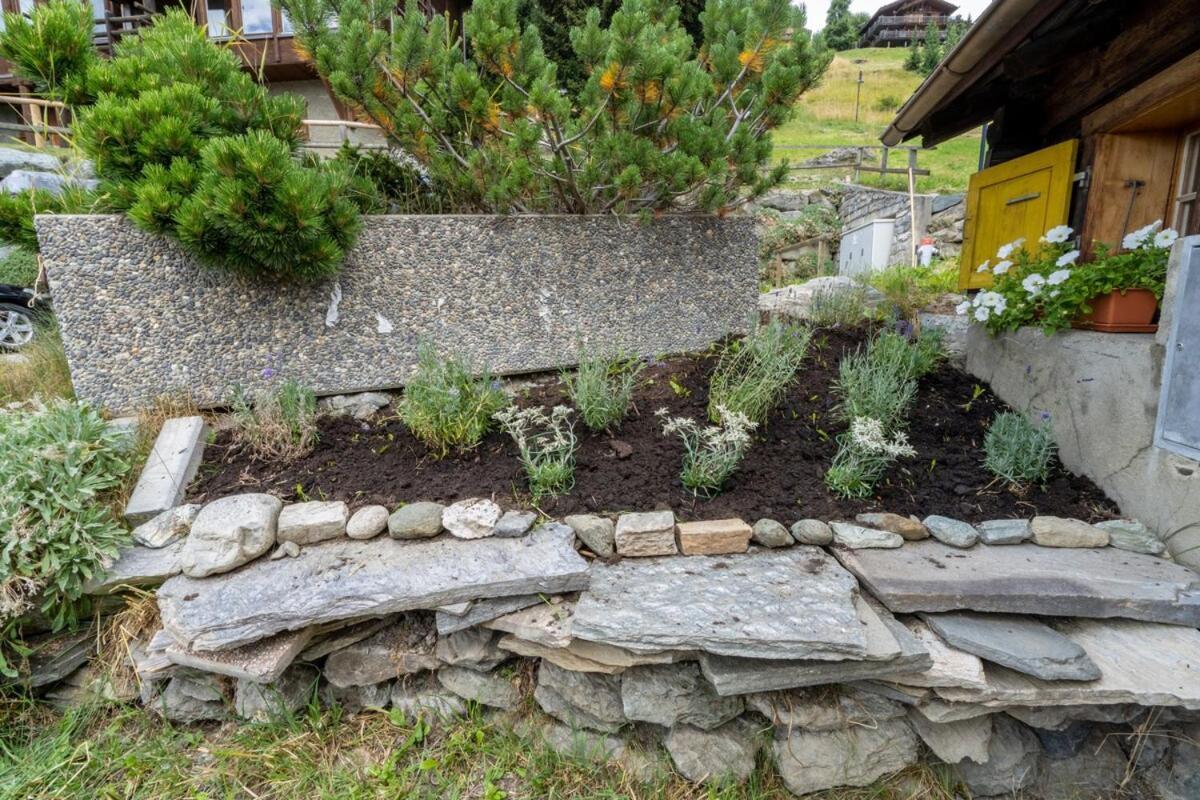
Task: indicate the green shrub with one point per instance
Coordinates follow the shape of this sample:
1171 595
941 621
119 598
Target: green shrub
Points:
869 388
910 289
912 358
864 455
660 123
59 467
710 453
889 102
843 307
19 268
17 211
1017 451
753 373
52 49
278 422
602 389
444 405
547 445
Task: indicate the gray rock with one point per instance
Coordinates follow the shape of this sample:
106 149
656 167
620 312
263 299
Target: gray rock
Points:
789 603
1065 742
191 697
1063 532
1004 531
857 537
1019 643
403 647
230 532
367 523
363 405
1058 718
1096 771
345 579
857 756
169 469
138 567
1012 762
337 635
1178 776
167 527
582 744
1132 535
515 523
953 532
485 688
423 695
54 657
721 755
285 550
647 533
580 699
546 623
312 522
263 661
812 531
824 708
475 518
675 694
416 521
769 533
278 701
1026 579
954 741
910 529
474 648
597 533
13 159
21 180
482 611
354 699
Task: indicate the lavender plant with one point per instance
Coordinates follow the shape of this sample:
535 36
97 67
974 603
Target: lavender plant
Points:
445 405
547 445
711 453
1017 451
753 373
602 389
278 422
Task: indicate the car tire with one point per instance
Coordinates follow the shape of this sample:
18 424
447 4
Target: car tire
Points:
17 328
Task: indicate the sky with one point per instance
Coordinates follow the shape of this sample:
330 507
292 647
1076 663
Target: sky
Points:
818 8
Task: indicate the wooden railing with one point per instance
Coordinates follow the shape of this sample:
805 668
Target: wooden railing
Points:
859 161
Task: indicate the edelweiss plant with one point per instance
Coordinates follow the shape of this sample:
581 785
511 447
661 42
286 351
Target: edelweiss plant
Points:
602 389
864 454
1047 287
547 444
711 453
1017 451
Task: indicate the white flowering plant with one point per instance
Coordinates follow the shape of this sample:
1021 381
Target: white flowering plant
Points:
1048 287
865 453
712 452
547 446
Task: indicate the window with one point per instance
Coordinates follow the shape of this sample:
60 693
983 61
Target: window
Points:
257 18
99 12
1187 207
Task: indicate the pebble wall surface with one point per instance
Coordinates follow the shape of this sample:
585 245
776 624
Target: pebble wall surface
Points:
141 318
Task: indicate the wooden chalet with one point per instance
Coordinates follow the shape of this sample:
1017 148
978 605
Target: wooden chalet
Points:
1092 110
901 23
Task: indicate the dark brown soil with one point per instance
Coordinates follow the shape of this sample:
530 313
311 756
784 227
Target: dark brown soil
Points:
638 469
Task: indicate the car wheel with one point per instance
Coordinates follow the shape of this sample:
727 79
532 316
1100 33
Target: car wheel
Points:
16 326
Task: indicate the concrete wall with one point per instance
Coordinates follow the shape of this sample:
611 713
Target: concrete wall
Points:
862 204
140 318
1102 394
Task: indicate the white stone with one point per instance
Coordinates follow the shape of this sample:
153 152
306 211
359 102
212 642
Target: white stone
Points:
515 523
485 688
674 694
167 527
170 467
580 699
367 523
230 532
951 668
720 755
855 537
312 522
647 533
471 519
1063 532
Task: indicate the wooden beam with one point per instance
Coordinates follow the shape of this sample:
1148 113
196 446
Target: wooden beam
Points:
1180 77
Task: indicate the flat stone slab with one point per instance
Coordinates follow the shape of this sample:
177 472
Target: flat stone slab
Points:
1140 662
1028 579
138 566
347 579
169 469
1019 643
951 667
259 662
794 603
895 649
480 611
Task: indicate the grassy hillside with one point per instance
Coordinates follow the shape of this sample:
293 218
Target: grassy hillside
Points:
826 117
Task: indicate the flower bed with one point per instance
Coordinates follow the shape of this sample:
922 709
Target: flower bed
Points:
782 475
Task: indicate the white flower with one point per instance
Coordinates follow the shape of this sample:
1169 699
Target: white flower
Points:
1058 234
989 299
984 266
1140 237
963 307
1067 258
1002 267
1054 293
1058 276
982 313
1165 238
1006 250
1033 283
867 433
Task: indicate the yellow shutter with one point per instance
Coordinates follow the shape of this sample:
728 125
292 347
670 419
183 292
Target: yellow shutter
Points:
1020 198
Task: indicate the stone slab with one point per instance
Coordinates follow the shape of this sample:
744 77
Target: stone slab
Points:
951 667
895 649
346 579
138 566
793 603
1020 643
481 611
1028 579
713 537
953 741
546 624
435 278
1140 662
562 657
170 467
263 661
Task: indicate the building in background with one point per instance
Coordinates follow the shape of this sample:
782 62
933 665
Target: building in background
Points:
903 22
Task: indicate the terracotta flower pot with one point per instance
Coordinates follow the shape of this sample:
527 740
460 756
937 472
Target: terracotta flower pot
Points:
1128 311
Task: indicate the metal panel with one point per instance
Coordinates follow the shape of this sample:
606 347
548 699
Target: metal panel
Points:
1178 425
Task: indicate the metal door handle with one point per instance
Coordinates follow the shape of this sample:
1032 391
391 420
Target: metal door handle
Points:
1024 198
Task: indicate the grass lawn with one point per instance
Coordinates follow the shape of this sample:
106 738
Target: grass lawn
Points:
826 117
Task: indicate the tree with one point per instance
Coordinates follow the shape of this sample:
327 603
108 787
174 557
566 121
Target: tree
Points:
912 62
931 49
658 125
841 31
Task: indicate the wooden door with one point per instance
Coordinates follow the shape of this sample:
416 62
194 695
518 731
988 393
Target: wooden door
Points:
1020 198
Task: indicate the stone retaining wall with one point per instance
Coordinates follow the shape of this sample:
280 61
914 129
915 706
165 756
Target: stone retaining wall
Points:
862 204
141 318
